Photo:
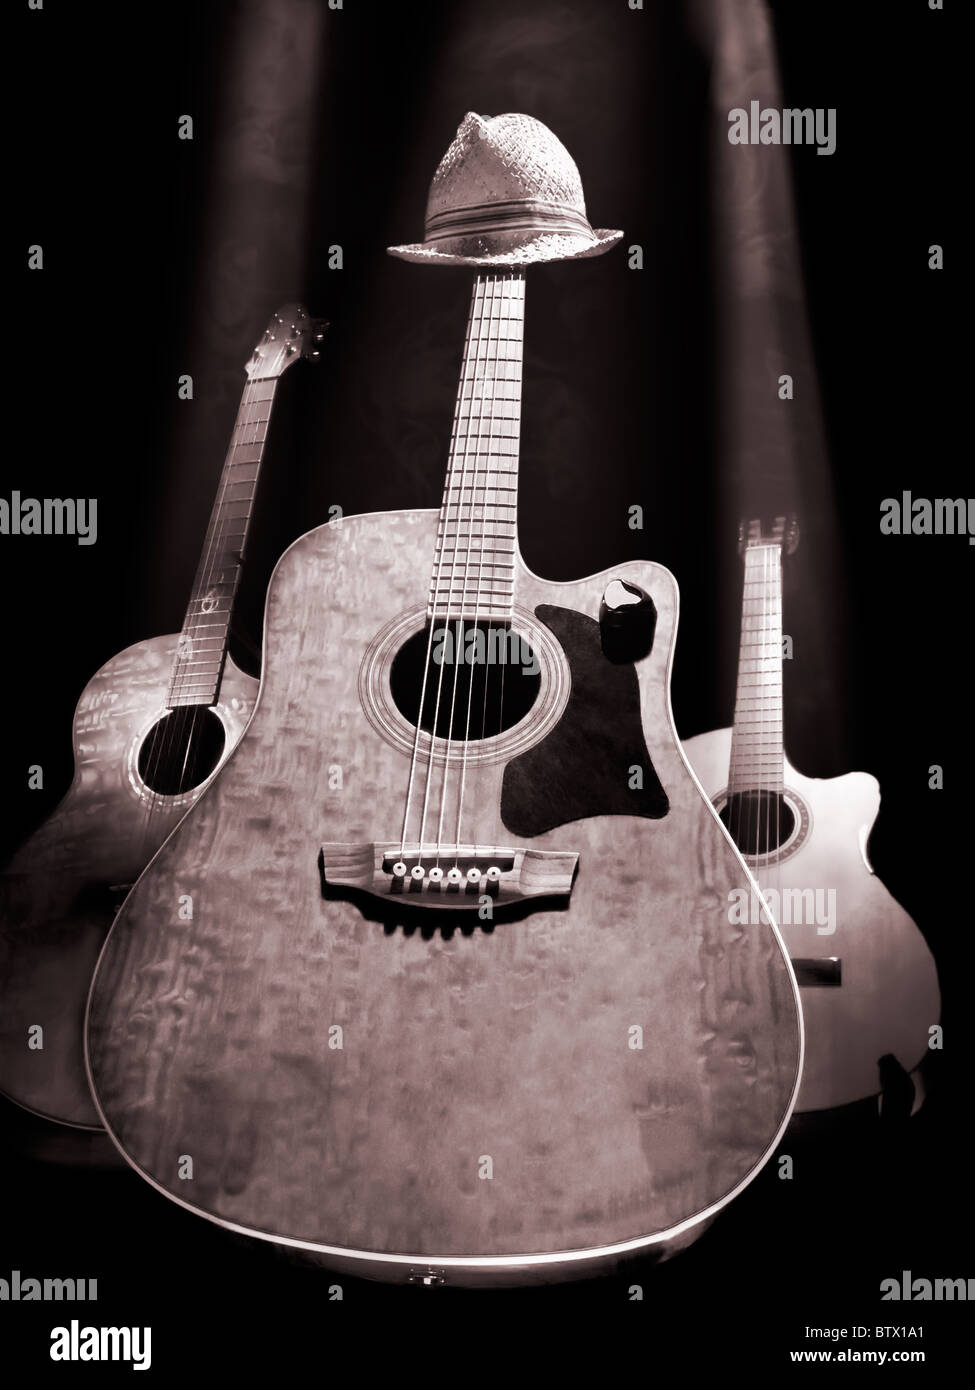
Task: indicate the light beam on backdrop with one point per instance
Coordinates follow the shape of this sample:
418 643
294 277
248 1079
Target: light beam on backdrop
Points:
772 451
252 253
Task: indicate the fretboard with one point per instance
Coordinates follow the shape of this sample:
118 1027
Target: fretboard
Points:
473 572
756 741
198 667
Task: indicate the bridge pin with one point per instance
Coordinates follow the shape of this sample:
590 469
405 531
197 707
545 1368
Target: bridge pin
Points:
473 875
454 875
399 869
493 873
417 872
436 874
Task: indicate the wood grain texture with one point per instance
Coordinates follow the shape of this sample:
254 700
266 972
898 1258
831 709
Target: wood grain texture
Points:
55 907
210 1037
889 996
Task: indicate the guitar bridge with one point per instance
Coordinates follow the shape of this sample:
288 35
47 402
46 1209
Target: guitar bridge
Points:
455 876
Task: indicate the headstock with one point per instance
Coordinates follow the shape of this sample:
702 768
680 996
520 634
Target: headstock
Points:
290 334
783 532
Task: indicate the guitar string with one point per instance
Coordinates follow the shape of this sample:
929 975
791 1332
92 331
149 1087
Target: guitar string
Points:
473 432
183 674
775 647
476 308
442 529
735 735
168 737
181 671
511 285
760 807
507 626
735 797
761 761
247 426
517 282
483 363
455 646
491 418
740 806
766 702
754 717
780 731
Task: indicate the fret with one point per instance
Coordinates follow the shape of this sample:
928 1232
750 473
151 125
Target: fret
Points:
503 405
468 451
498 615
468 582
474 488
244 454
488 565
231 535
453 481
472 457
503 445
478 498
460 512
261 389
506 425
459 550
243 471
459 536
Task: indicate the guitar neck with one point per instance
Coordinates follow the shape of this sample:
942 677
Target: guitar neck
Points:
757 757
202 649
473 572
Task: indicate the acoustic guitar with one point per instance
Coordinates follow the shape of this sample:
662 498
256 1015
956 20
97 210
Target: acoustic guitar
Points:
457 997
149 731
868 981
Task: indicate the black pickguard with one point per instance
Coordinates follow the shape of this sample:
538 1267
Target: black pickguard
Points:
583 767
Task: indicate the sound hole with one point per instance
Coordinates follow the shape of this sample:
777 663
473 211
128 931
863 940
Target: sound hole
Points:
181 750
488 668
758 821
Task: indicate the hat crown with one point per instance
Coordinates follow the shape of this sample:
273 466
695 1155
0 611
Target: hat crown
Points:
503 159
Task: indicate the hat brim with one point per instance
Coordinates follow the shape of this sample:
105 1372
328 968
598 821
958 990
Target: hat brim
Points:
544 246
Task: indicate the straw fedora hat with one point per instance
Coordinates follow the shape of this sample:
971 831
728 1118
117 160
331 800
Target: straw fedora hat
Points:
506 193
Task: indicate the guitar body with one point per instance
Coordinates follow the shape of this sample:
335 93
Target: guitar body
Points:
883 995
56 898
416 1093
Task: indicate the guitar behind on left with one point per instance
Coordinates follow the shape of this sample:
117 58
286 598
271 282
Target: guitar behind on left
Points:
150 730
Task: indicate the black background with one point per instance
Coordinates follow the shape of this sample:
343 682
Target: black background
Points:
620 375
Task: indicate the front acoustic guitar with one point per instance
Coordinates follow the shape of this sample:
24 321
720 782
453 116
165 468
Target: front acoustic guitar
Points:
437 980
